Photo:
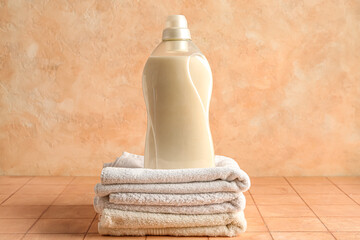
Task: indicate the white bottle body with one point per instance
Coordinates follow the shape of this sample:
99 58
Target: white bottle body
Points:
177 87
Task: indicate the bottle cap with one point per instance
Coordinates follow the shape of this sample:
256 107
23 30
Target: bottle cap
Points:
176 28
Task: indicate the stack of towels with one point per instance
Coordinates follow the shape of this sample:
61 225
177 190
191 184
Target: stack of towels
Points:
132 200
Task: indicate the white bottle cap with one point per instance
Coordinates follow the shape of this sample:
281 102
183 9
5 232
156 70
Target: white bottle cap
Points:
176 28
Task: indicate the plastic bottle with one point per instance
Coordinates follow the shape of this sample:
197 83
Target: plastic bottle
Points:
177 85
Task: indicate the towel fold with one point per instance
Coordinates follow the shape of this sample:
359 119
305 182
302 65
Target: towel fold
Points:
194 187
216 224
238 204
172 199
214 231
225 169
113 218
127 160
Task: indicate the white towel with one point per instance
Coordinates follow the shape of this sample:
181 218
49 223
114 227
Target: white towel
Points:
238 204
113 221
194 187
119 172
127 160
172 199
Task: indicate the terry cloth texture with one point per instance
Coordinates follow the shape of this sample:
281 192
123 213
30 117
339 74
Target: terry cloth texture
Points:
193 187
225 169
118 222
172 199
235 205
134 201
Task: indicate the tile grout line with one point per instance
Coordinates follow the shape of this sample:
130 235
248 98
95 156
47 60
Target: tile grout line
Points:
261 216
17 190
310 209
72 180
343 190
45 210
87 231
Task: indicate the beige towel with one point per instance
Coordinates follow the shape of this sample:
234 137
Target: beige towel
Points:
118 222
235 205
214 231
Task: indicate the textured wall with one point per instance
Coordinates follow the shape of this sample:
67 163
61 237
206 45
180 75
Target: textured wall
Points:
286 98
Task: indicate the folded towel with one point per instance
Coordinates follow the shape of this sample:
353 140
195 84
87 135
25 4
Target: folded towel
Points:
127 160
172 199
238 204
194 187
155 222
214 231
135 201
225 169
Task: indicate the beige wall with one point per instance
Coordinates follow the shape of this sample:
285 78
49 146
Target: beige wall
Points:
286 98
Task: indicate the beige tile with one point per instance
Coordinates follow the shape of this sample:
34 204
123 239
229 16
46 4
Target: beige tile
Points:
302 236
61 226
7 189
317 189
355 197
21 211
342 224
3 197
350 189
75 199
69 211
347 235
251 211
271 189
37 236
294 224
326 199
41 189
345 180
268 181
37 199
255 225
93 236
51 180
13 180
11 236
254 236
249 200
337 210
15 225
86 180
246 236
270 199
285 211
308 180
79 189
174 238
94 226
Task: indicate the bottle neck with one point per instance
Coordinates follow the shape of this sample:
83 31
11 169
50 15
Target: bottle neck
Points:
177 45
175 48
176 34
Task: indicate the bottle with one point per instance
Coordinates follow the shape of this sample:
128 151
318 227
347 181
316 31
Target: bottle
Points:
177 86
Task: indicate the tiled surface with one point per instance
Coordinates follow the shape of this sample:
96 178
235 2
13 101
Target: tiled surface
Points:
291 208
